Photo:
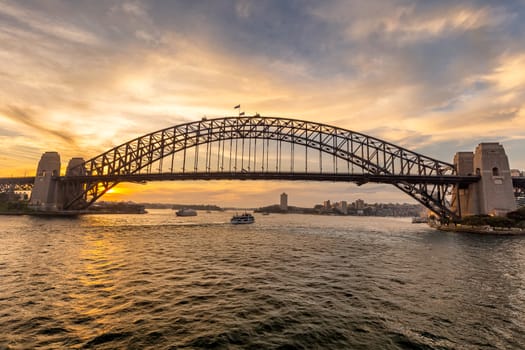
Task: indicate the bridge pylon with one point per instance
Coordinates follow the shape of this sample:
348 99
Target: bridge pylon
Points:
493 194
50 194
71 190
45 189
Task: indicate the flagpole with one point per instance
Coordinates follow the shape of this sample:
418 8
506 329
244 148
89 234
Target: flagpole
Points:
239 108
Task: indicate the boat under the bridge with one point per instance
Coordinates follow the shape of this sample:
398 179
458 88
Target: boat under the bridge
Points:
245 218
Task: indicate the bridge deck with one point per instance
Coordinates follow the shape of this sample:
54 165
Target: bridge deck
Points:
358 178
288 176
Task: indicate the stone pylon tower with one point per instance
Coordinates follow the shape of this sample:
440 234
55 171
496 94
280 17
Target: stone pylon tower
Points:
45 188
48 193
284 202
493 194
72 190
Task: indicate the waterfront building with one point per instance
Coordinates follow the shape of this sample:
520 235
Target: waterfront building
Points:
342 207
360 204
284 202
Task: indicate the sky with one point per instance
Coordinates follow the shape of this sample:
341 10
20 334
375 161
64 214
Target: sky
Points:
437 77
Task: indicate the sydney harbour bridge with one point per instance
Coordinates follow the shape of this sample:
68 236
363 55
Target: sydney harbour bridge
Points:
259 148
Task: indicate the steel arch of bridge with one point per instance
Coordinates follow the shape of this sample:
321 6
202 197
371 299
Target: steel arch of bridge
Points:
252 147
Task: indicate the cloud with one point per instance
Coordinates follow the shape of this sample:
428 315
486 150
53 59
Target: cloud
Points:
509 74
26 117
243 8
407 22
8 133
44 25
134 8
405 27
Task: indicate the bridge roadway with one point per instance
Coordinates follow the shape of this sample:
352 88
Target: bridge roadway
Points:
357 178
289 176
5 182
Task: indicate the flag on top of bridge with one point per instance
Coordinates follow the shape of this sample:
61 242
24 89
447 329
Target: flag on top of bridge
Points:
238 106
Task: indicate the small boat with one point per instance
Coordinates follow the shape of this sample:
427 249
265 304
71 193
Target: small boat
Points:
186 212
265 213
245 218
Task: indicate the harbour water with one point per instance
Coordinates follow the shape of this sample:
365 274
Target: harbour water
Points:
157 281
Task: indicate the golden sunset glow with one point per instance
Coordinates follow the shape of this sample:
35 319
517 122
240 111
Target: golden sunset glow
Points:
118 193
113 191
82 77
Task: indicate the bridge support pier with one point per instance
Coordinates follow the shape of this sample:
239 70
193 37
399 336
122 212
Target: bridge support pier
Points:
493 194
71 190
45 189
48 193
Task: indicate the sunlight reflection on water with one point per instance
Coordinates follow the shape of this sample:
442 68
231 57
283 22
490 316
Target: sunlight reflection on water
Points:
298 281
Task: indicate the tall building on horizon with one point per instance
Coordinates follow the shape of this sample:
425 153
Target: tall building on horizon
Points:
284 201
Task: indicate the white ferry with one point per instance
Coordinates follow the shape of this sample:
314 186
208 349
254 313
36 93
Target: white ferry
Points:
186 212
245 218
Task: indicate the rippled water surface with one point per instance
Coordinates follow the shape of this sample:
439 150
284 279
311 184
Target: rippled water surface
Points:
156 281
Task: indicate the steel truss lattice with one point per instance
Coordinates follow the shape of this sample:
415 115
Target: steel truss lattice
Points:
233 147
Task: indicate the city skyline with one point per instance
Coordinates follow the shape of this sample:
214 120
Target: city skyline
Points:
434 77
